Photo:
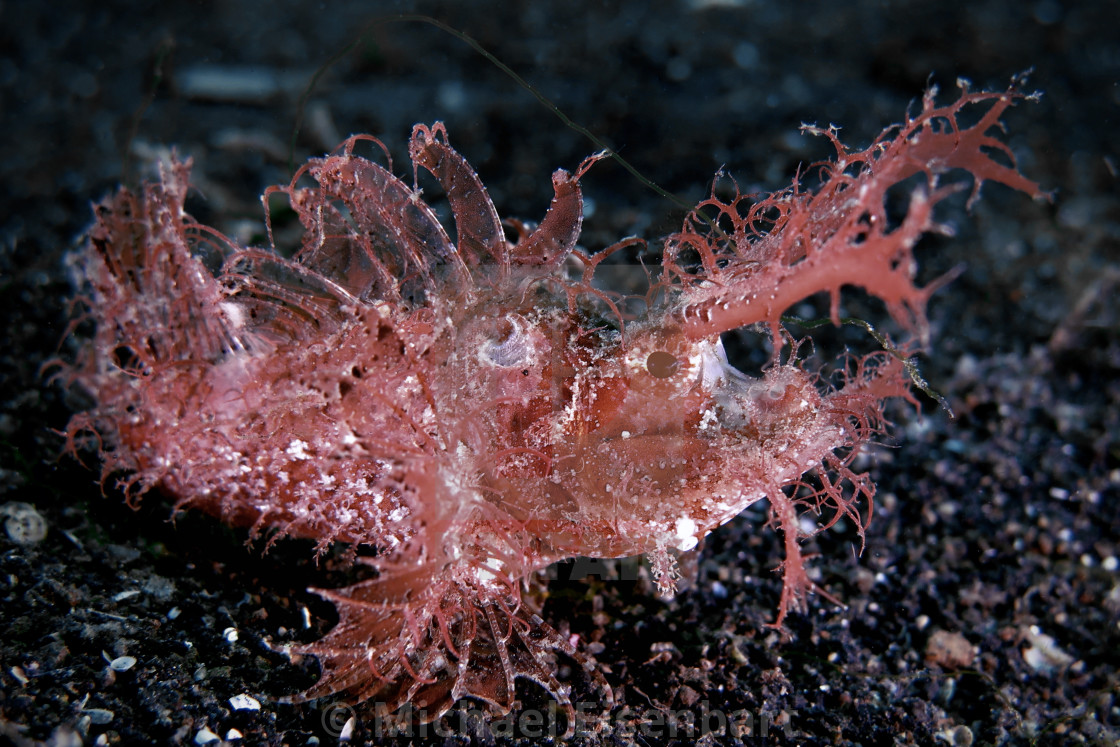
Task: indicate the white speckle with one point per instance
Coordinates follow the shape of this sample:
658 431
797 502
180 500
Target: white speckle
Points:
485 575
244 702
230 634
234 314
125 595
298 449
686 534
625 434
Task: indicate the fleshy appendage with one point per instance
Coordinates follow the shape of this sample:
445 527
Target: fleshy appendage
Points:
430 637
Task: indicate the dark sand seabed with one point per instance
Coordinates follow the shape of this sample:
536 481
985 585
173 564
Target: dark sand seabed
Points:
986 606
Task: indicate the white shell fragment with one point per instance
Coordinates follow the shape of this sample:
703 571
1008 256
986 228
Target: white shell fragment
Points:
244 702
122 663
205 736
1043 654
24 525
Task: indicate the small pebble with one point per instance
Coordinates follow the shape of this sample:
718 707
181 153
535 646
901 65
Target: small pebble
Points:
25 526
205 736
244 702
122 663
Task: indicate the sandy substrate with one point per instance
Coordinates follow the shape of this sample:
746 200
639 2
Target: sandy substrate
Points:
985 607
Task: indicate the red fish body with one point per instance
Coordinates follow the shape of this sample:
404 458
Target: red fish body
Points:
475 410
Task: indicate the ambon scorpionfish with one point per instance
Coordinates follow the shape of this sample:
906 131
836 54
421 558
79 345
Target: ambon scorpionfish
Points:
471 411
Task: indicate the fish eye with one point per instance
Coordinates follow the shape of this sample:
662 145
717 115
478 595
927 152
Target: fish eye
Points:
662 365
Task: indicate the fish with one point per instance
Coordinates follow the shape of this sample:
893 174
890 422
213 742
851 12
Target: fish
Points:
469 407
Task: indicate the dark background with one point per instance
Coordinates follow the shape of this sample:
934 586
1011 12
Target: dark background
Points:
998 527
